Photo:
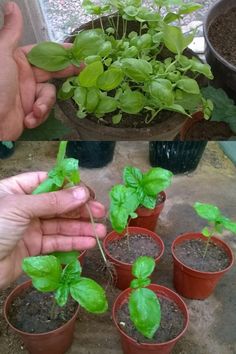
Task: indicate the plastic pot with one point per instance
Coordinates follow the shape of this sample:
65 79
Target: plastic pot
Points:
123 270
91 154
224 72
147 218
195 284
53 342
131 346
176 156
5 151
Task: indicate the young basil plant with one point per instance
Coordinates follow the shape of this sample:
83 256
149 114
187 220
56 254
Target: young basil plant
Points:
144 306
217 221
48 275
139 189
125 72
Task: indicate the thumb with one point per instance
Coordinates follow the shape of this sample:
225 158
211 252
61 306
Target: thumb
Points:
12 29
50 204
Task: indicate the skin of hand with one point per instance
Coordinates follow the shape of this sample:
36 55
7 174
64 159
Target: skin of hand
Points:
25 98
32 225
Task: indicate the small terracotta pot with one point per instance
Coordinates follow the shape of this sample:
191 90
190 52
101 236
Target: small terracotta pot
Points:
195 284
53 342
130 345
123 270
147 218
189 124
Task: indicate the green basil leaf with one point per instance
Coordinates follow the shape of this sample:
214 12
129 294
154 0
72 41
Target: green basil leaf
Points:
62 294
162 90
140 283
188 85
110 79
116 119
201 68
70 170
156 180
188 101
45 272
49 56
207 211
143 267
189 8
132 102
93 99
87 43
176 108
132 176
46 186
131 11
88 77
80 96
149 202
66 257
206 232
175 40
229 225
145 311
138 70
106 105
89 295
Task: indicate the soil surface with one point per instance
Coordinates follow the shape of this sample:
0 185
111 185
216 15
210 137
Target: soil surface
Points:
191 253
222 34
172 323
32 312
209 131
128 249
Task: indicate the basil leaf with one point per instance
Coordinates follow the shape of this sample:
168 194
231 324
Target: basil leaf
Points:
143 267
110 79
188 85
207 211
132 176
162 90
45 272
229 225
140 283
149 202
89 295
66 257
156 180
132 102
49 56
88 77
87 43
106 105
138 70
62 294
174 39
145 311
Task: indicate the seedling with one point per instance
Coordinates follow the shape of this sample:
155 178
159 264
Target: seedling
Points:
217 222
48 275
144 306
143 71
139 189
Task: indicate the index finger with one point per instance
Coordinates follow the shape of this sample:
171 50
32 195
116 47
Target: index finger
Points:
42 75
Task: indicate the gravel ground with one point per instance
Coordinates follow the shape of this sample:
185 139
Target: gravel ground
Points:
65 15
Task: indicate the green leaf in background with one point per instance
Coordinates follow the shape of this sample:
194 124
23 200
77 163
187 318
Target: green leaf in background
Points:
106 105
140 283
132 102
156 180
87 43
162 90
207 211
149 202
66 257
189 8
138 70
89 295
224 107
143 267
49 56
132 176
110 79
201 68
229 225
188 85
88 77
62 294
175 40
45 272
145 311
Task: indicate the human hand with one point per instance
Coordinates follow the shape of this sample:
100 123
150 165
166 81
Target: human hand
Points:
31 225
25 98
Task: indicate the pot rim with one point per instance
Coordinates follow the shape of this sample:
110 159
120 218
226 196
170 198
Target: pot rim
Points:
5 313
134 229
161 288
196 235
206 25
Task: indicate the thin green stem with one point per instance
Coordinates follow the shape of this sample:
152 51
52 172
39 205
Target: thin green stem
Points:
100 19
148 121
95 233
62 152
117 25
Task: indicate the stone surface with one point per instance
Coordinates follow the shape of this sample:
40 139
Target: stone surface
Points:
213 321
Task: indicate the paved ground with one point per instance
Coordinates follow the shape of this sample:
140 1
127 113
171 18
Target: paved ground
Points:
65 15
213 321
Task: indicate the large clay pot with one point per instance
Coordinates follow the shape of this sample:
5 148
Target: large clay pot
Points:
123 270
131 346
53 342
195 284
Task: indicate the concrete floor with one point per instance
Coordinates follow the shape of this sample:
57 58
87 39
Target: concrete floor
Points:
213 321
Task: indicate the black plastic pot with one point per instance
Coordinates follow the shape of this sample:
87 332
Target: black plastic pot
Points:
224 72
91 154
176 156
6 151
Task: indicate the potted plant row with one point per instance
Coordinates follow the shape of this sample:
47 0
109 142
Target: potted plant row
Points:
139 80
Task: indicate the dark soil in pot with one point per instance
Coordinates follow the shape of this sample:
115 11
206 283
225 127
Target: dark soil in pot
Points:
191 253
172 323
31 312
128 249
222 34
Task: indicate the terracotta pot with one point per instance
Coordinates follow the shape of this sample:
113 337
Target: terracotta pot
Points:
195 284
131 346
54 342
82 257
147 218
123 270
189 124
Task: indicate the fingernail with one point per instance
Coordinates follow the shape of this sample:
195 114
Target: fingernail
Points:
43 110
80 193
8 8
